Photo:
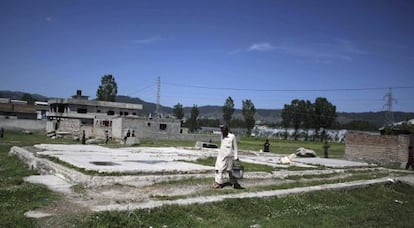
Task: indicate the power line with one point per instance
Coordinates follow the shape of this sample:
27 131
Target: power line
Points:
287 90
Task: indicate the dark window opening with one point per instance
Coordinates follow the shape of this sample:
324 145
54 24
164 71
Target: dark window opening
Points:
126 113
98 111
163 127
134 113
82 110
149 124
61 108
110 113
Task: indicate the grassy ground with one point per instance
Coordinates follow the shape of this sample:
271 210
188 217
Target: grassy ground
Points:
380 205
374 206
16 196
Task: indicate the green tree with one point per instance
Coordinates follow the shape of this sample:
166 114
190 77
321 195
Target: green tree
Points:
296 116
308 113
193 121
209 122
228 110
286 118
28 97
108 89
248 111
325 114
178 111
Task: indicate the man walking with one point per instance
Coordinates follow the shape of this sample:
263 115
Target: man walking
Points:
227 153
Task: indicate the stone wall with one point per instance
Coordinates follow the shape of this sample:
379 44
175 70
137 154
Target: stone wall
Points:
23 124
380 149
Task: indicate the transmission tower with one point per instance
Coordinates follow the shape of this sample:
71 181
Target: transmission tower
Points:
389 116
158 107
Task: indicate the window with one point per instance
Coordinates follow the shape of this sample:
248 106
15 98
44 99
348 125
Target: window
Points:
163 127
98 111
149 124
126 113
61 108
121 113
110 113
82 110
134 113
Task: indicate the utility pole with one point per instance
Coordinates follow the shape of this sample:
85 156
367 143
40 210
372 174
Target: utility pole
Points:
389 116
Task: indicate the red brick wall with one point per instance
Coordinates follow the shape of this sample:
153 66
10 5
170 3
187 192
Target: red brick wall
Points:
380 149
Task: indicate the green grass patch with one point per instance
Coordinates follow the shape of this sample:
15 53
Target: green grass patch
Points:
295 184
17 196
373 206
166 143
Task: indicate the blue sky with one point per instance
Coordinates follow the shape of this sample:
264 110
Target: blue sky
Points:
270 52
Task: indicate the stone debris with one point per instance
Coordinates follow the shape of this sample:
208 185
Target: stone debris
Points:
302 152
37 214
287 159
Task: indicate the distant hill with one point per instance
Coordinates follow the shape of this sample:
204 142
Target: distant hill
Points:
17 95
215 112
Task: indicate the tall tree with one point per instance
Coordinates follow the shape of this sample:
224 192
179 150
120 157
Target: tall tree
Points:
296 115
286 118
193 121
28 97
178 111
108 89
228 110
308 113
248 111
325 114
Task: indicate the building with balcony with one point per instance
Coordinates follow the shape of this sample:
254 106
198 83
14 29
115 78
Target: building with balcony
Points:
98 118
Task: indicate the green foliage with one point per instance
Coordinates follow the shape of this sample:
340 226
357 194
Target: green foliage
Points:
209 122
28 97
192 123
325 113
178 111
108 89
361 125
228 110
248 111
303 114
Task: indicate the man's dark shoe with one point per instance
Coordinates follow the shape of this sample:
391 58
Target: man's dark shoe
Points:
237 186
217 186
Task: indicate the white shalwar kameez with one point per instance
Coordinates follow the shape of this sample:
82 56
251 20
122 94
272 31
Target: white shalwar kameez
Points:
226 155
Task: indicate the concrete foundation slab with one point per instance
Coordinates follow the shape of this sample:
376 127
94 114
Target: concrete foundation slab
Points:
53 182
331 163
127 160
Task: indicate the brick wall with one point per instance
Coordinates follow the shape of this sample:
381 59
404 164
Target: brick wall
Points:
380 149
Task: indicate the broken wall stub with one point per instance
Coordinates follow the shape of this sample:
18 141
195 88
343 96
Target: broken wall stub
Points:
380 149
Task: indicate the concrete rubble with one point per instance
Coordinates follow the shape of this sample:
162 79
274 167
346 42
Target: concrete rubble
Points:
139 168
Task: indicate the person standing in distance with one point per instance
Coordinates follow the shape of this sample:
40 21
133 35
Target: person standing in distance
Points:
227 153
266 146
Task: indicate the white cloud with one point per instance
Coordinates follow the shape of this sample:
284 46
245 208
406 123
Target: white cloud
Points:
261 47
